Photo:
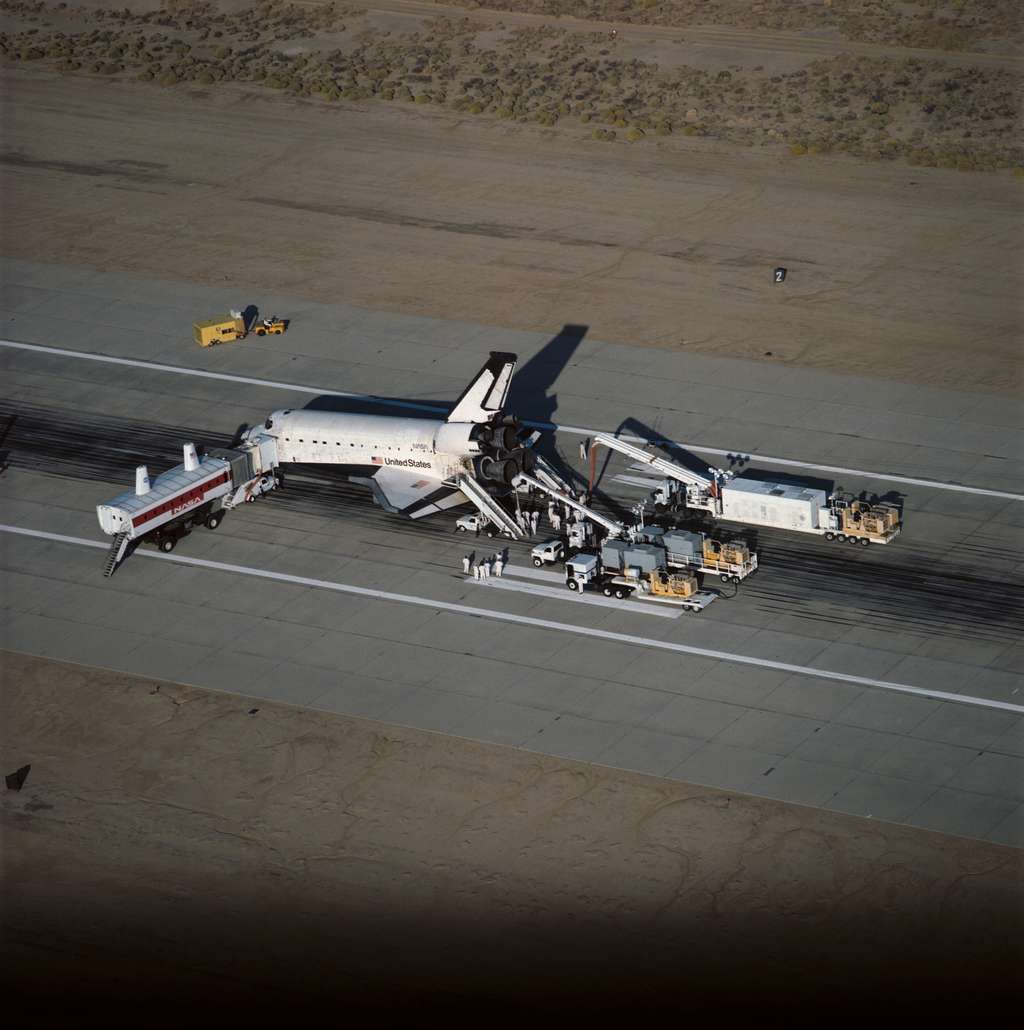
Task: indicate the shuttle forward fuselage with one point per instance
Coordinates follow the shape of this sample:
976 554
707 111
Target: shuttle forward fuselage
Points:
436 449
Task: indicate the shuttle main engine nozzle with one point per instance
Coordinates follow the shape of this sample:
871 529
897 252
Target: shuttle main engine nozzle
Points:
499 471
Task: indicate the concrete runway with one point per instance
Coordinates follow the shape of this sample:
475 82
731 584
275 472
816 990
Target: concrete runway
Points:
938 612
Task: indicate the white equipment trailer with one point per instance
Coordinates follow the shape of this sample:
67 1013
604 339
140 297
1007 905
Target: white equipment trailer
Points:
754 502
197 492
586 571
731 562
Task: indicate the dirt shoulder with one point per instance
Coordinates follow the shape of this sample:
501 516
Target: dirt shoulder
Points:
178 845
413 208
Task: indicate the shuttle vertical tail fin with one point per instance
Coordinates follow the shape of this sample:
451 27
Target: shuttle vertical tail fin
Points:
486 394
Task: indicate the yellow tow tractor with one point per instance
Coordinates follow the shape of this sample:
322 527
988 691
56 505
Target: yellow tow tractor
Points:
233 327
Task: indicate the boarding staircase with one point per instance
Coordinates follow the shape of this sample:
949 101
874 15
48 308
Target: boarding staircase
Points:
118 547
490 507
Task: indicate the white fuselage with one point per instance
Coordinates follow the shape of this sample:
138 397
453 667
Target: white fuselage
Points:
435 449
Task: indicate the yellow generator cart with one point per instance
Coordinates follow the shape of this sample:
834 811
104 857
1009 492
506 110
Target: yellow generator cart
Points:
672 584
217 330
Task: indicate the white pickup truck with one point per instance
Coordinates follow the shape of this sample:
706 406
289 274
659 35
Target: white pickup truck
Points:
477 523
548 553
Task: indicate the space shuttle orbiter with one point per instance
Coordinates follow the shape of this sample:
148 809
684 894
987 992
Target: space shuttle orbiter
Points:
418 466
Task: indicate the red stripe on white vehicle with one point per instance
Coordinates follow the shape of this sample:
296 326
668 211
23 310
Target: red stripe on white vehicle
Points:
180 502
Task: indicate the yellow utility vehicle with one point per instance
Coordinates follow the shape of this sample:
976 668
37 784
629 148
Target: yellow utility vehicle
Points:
233 327
274 325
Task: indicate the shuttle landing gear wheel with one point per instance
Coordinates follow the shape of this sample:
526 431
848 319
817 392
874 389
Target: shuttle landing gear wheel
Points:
213 521
167 544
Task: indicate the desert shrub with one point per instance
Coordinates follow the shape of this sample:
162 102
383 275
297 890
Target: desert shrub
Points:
689 130
145 75
424 98
475 108
387 94
110 69
585 117
605 135
205 78
663 129
168 78
634 134
798 150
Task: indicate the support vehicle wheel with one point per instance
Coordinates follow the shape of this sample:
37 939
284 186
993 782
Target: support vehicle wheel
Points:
538 562
490 534
865 542
851 540
572 584
261 332
460 529
167 544
735 579
841 537
724 577
830 536
213 521
607 591
621 594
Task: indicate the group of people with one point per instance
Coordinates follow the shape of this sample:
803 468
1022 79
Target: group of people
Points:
560 515
485 567
528 521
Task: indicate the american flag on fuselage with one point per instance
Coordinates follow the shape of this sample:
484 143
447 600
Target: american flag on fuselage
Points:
377 461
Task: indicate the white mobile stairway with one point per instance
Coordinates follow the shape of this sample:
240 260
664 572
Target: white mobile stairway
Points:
489 507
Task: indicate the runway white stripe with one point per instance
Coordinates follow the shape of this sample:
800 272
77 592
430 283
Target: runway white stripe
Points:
154 366
647 643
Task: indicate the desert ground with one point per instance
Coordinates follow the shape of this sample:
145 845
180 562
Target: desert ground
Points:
202 846
513 166
896 270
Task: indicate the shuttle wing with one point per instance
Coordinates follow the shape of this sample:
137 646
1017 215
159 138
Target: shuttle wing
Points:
485 396
409 493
